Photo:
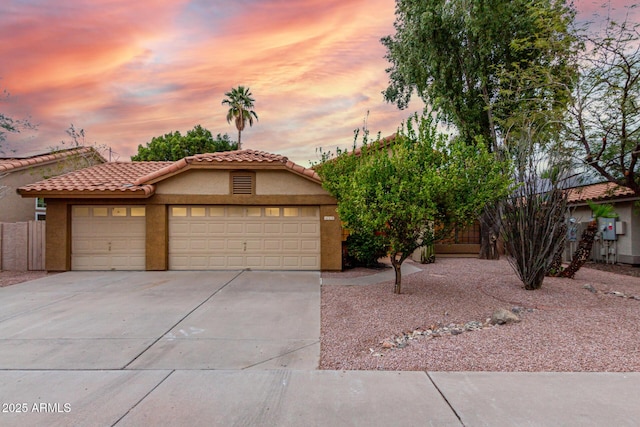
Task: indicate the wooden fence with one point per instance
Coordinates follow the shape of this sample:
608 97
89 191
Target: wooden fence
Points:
22 245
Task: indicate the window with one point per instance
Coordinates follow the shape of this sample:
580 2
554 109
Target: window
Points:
254 211
138 211
99 211
242 183
118 211
178 211
41 209
216 211
290 211
271 211
198 211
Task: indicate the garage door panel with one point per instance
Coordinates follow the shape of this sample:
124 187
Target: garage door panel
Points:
310 245
255 228
246 237
291 245
272 245
288 228
310 261
309 228
272 228
216 244
235 228
198 228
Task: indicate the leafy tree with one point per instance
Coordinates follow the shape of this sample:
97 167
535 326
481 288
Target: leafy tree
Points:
463 58
240 104
605 128
424 180
174 146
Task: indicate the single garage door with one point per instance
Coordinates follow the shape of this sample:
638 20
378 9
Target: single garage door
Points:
108 238
233 237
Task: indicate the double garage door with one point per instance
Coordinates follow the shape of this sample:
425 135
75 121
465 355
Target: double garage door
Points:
231 237
200 238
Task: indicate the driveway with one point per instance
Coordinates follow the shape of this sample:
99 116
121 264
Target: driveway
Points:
162 320
241 348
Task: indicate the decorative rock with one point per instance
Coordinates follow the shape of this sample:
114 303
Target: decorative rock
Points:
503 316
387 344
590 288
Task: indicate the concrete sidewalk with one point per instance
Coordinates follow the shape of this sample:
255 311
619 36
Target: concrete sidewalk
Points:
241 349
317 398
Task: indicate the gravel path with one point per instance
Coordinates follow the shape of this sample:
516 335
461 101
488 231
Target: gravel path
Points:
564 326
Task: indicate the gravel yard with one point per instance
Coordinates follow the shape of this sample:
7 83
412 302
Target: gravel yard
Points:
564 326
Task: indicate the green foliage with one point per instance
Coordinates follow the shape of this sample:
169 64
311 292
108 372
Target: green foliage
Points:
602 210
174 146
424 179
365 248
471 59
240 104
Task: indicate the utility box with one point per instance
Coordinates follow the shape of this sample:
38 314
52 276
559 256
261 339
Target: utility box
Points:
607 227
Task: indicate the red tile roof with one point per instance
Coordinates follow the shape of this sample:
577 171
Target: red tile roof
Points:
107 179
601 191
12 164
137 179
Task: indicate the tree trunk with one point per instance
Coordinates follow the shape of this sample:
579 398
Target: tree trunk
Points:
488 236
397 267
581 255
555 267
239 143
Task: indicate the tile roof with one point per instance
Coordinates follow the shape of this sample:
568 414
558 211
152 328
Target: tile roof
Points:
137 179
115 179
12 164
235 159
601 191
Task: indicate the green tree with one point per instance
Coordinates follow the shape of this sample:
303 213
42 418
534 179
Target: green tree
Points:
240 104
604 131
464 58
413 194
174 146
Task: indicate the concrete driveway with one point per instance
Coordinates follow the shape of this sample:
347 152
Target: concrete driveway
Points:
162 320
241 348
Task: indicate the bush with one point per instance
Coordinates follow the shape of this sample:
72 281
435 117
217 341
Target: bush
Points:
364 249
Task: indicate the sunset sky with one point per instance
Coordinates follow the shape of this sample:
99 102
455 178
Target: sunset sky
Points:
126 71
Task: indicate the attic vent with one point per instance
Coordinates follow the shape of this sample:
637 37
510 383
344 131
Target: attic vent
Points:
242 184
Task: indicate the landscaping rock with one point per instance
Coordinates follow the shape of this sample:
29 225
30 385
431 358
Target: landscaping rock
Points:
503 316
590 288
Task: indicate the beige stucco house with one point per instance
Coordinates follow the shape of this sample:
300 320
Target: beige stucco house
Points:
226 210
17 171
624 232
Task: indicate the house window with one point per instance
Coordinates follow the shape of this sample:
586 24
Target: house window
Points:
41 209
242 183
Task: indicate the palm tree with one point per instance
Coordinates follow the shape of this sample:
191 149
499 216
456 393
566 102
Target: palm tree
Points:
240 105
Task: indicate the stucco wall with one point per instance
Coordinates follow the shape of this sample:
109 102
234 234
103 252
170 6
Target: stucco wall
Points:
196 182
627 246
216 182
58 243
283 182
13 208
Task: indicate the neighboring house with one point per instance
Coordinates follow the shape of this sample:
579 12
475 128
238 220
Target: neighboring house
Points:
225 210
625 229
17 171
